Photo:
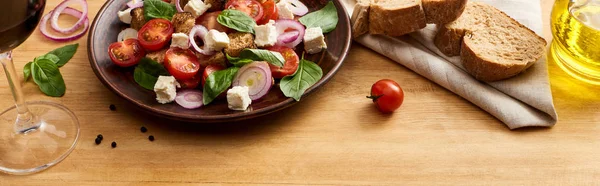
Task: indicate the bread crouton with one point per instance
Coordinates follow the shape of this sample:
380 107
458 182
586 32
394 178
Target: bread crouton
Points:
158 56
183 22
239 41
218 58
137 18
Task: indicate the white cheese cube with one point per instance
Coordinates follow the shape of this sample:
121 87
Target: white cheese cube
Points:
216 40
314 41
166 89
125 16
285 11
180 40
266 35
238 98
196 7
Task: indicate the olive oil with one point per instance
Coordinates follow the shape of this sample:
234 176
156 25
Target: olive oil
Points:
576 44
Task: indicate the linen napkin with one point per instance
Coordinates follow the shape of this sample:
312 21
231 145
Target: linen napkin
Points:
521 101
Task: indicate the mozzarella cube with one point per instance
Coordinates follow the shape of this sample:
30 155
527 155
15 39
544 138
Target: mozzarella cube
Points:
125 16
266 35
215 40
180 40
285 11
166 89
196 7
314 41
238 98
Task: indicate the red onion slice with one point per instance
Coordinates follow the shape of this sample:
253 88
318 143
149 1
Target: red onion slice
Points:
288 37
189 99
297 7
257 77
68 11
201 32
283 26
135 4
178 5
59 10
128 33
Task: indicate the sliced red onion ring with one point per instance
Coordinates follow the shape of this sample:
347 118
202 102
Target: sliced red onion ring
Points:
297 7
128 33
59 10
135 4
288 37
201 32
189 99
257 77
283 26
69 11
178 5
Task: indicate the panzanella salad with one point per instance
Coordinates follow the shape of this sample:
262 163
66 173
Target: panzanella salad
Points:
194 52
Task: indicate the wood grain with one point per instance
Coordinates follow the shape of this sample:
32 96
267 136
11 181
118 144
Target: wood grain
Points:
335 137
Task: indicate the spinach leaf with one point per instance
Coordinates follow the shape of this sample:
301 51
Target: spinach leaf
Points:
147 72
326 18
307 75
46 75
250 55
236 20
217 83
27 71
55 59
158 9
64 53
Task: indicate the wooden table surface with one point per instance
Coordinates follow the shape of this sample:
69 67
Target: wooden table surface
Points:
333 137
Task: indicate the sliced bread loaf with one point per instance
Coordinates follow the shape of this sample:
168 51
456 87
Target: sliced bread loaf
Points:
492 45
360 18
443 11
396 17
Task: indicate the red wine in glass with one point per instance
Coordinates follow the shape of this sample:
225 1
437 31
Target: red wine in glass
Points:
38 134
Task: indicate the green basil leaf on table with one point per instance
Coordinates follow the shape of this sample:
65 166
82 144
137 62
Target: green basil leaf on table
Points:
238 62
55 59
326 18
27 71
147 71
307 74
217 83
236 20
47 76
154 9
65 53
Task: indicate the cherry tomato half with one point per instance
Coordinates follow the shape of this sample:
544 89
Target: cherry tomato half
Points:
251 7
191 83
387 95
291 62
126 53
209 70
209 20
181 63
270 12
155 34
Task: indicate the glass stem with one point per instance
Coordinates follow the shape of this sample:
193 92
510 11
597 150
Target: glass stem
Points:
25 120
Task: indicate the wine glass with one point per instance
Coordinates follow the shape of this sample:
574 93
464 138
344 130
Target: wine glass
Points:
33 135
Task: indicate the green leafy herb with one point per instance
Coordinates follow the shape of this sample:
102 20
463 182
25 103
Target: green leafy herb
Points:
64 53
250 55
217 83
27 70
47 76
236 20
307 75
158 9
147 71
55 59
326 18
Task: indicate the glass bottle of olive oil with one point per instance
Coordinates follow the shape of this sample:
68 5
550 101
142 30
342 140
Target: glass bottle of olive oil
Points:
576 45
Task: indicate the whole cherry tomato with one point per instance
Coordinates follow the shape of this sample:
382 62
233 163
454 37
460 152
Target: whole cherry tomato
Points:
387 95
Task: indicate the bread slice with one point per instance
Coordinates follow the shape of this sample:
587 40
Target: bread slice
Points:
396 17
360 18
492 45
443 11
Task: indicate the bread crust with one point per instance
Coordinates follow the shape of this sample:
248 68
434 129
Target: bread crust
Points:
443 11
396 21
449 40
487 70
360 18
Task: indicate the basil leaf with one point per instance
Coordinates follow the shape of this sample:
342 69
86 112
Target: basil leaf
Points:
27 71
64 53
307 75
238 62
236 20
326 18
147 72
154 9
55 59
217 83
274 58
46 75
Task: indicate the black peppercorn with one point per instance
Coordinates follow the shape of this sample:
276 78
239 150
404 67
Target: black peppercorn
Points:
98 141
100 137
151 138
113 144
143 129
112 107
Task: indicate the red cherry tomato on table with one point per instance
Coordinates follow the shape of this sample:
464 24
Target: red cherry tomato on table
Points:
387 95
126 53
270 12
251 7
291 62
209 70
181 63
155 34
209 20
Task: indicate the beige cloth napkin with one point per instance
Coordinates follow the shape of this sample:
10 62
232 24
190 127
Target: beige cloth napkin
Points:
522 101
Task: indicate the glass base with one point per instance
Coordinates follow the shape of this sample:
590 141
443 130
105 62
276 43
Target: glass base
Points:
45 144
568 65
